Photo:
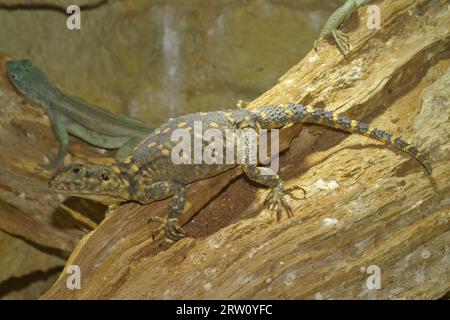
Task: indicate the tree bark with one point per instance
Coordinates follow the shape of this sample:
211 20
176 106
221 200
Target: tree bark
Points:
369 210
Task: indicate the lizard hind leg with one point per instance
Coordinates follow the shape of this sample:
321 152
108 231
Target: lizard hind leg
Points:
276 199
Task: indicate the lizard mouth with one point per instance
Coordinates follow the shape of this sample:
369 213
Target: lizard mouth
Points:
72 189
58 185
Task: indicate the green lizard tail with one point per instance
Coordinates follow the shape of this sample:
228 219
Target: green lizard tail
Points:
278 116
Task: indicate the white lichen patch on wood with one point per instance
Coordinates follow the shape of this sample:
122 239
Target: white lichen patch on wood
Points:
328 222
322 184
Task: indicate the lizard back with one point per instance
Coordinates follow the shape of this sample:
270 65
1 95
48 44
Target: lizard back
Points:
159 157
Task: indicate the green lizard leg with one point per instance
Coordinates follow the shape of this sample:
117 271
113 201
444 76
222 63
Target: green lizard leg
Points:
161 190
331 27
127 148
341 39
61 134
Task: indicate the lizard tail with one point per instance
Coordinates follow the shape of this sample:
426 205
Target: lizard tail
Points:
278 116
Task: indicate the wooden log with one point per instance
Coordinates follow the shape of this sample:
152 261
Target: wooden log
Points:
368 209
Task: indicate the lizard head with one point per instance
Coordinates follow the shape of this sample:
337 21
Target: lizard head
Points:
27 79
102 183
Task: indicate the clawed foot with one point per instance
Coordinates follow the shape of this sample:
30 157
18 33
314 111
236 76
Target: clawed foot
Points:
276 199
342 42
171 228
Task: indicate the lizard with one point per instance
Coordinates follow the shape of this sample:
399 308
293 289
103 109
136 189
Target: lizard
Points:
335 20
74 116
149 174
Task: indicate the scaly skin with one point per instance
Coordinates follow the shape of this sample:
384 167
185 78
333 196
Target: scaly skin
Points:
72 115
150 174
335 20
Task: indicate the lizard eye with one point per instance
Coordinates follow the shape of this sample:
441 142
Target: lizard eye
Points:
76 170
104 177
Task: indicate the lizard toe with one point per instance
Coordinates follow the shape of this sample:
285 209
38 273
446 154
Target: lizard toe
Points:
173 230
276 200
155 220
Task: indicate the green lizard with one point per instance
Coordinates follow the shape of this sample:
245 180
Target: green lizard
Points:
151 173
72 115
335 20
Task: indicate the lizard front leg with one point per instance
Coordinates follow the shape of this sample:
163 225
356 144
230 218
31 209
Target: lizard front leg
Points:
162 190
61 134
